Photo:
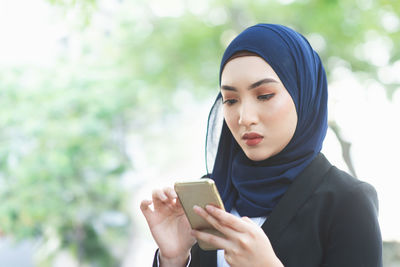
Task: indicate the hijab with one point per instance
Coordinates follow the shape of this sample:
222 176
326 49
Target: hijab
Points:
253 188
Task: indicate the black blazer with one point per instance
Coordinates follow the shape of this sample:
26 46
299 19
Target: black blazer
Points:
326 218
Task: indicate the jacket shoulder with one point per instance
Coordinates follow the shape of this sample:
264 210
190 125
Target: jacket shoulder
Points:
344 186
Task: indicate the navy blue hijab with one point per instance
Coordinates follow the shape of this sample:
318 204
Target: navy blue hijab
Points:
255 187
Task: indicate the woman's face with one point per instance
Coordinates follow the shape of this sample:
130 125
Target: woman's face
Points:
258 109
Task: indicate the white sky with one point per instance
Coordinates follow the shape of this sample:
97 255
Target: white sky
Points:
30 32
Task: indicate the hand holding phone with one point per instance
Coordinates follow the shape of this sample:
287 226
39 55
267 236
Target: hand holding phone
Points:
201 193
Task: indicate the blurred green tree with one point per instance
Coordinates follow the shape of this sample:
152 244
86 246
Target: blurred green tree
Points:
62 156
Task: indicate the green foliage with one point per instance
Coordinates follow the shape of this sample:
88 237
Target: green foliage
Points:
193 42
62 157
391 253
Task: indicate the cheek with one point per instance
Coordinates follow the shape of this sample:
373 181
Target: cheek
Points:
285 116
283 109
231 119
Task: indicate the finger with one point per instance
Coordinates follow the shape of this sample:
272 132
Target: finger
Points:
224 229
159 195
144 205
227 257
170 192
172 198
247 219
216 241
160 200
227 219
178 204
145 208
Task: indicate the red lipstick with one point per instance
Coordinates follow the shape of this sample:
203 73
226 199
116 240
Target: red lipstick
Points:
252 139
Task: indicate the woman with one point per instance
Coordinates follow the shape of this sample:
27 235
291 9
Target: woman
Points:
286 204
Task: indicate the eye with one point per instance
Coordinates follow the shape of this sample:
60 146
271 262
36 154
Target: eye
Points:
229 102
265 97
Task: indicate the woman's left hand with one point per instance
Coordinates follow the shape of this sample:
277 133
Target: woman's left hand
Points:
245 243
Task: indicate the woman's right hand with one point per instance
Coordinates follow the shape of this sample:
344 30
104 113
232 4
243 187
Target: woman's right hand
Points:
169 226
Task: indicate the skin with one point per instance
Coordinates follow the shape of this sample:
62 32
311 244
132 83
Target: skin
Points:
255 101
169 227
244 244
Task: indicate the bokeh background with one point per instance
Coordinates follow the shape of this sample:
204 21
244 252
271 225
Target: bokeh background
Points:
102 101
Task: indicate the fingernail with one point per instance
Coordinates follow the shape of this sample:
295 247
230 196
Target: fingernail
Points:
210 208
195 207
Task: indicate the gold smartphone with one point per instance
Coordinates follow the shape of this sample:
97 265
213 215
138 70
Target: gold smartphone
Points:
201 193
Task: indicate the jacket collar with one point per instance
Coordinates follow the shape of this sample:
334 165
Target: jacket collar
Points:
300 190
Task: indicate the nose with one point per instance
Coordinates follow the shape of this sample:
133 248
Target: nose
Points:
248 114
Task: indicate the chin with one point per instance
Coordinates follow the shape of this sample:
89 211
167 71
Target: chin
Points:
258 156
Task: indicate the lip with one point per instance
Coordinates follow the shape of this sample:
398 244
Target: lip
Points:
252 138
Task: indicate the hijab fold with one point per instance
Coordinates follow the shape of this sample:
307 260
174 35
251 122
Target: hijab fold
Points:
255 187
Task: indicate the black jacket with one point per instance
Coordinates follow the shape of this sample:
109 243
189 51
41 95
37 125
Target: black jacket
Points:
326 218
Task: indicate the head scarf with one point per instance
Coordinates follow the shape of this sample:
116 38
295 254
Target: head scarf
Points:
255 187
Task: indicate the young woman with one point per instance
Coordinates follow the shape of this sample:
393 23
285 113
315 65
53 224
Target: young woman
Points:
286 204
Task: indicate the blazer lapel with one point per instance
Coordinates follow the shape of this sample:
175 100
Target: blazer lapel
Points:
300 190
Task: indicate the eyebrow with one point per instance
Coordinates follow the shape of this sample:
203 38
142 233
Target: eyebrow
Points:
252 86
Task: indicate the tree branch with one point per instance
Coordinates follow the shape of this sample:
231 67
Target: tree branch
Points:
345 145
